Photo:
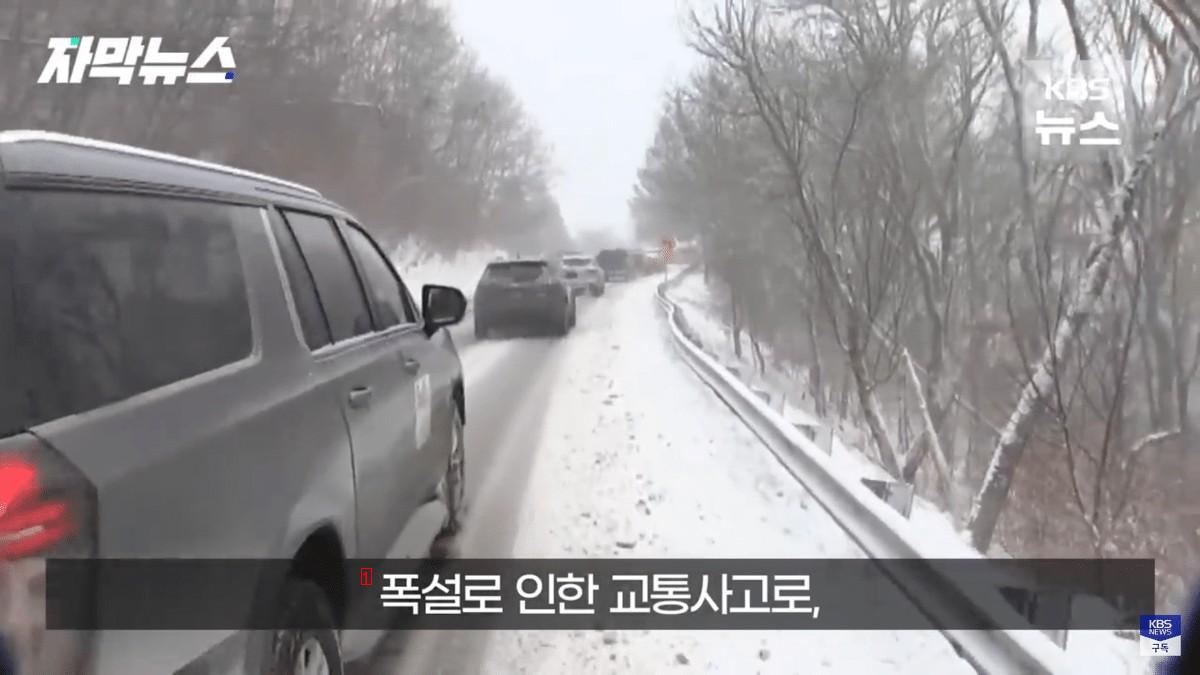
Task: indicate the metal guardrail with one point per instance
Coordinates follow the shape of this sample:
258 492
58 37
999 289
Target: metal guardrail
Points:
881 532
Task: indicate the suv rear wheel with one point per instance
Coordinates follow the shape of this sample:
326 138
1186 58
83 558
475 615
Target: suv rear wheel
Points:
453 490
456 474
561 323
308 651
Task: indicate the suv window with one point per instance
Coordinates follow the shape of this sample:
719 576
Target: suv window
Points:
304 290
106 296
515 272
382 281
577 262
338 287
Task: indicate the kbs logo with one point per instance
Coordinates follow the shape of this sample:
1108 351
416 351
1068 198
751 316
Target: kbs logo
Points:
1160 635
1072 105
1076 89
75 59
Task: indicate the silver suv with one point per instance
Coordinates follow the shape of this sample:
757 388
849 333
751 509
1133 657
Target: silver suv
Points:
201 362
583 274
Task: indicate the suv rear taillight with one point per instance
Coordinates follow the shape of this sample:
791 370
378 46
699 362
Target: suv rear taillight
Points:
47 510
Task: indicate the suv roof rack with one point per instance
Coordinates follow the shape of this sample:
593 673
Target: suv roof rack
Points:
23 135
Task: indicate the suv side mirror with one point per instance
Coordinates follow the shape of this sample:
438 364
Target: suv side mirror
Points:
441 306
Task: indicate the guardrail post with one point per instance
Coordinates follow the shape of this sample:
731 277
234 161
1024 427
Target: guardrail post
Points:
1045 607
807 429
895 494
829 441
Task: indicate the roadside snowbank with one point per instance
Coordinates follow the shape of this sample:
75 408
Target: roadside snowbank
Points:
639 459
1096 652
418 266
701 311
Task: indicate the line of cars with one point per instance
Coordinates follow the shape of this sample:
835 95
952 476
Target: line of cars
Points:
202 362
542 293
539 293
623 264
529 293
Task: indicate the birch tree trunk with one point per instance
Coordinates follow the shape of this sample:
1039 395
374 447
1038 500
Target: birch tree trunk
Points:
816 383
990 501
759 361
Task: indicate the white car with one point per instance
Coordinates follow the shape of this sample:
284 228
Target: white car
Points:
582 274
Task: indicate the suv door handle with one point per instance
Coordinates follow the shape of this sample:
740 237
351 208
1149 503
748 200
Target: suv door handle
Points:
360 397
410 364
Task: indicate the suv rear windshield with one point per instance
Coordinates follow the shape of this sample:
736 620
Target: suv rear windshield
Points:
612 259
104 296
515 272
577 262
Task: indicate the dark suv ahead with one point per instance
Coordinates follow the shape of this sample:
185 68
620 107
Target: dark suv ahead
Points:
201 362
523 292
617 264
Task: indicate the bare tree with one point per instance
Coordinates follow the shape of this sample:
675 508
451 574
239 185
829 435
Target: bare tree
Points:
1031 405
378 104
925 259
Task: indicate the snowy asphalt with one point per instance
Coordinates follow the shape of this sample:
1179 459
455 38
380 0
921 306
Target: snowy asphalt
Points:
509 380
598 425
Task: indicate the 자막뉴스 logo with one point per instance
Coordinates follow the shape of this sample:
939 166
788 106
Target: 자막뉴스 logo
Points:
1161 635
76 59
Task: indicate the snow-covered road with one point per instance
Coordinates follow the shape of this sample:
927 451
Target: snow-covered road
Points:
624 453
638 459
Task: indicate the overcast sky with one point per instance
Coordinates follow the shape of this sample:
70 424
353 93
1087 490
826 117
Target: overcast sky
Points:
592 74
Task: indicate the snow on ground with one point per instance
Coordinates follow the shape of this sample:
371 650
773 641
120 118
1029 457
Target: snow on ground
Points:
1098 652
699 307
640 459
418 266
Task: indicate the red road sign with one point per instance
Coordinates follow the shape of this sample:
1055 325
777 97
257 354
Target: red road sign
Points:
668 248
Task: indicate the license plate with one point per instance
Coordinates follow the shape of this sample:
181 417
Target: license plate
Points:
524 294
